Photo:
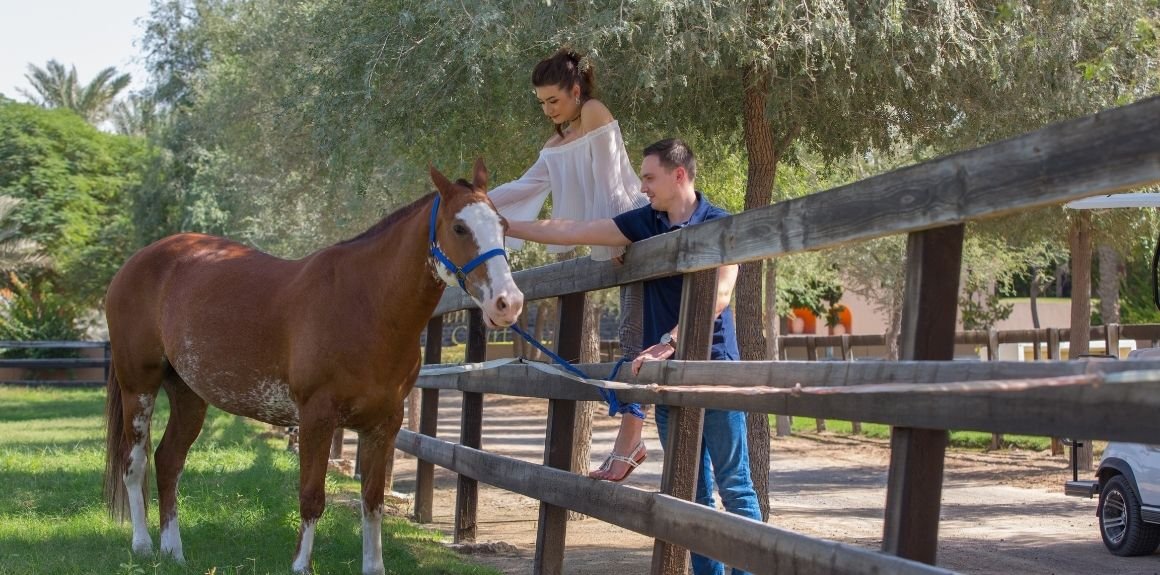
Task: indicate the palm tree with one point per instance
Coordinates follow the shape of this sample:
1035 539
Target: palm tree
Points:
55 87
16 253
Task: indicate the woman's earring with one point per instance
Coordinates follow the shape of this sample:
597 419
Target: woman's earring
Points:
577 100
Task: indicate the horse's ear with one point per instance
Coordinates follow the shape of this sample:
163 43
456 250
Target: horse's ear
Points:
441 182
480 175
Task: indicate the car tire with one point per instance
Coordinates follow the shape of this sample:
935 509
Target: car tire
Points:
1121 526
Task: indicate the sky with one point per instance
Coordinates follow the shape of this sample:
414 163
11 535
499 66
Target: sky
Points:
90 34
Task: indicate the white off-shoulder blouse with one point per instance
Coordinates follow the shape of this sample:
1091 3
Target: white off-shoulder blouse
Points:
590 178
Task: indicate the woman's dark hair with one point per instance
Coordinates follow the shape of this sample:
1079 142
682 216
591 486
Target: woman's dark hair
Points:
566 69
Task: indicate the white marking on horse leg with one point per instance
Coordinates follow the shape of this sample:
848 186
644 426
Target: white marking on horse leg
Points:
372 532
135 478
171 540
305 547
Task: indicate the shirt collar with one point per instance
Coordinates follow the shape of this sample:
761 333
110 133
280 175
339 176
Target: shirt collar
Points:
700 210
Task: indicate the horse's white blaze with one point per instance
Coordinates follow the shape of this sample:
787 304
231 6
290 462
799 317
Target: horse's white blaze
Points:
484 224
135 477
302 561
372 533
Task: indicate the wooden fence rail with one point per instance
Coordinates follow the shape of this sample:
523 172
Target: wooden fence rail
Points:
60 363
922 396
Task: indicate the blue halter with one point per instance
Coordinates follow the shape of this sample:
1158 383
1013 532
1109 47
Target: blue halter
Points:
460 272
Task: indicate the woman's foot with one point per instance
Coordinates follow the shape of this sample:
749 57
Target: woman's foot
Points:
618 467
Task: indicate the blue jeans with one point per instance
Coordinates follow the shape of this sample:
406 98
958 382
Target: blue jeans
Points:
725 452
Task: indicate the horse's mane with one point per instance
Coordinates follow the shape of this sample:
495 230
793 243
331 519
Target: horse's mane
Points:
390 219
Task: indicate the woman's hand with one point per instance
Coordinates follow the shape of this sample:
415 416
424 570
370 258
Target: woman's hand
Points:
657 352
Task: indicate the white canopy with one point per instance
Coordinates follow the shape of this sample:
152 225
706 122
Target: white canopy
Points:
1136 200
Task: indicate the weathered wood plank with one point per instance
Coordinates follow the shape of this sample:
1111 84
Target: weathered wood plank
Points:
62 363
750 545
1112 151
428 425
526 381
470 434
914 481
683 449
52 344
552 530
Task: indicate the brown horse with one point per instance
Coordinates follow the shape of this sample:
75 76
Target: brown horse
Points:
328 341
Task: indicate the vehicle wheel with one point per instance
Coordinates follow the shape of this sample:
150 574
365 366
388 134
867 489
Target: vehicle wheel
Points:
1124 532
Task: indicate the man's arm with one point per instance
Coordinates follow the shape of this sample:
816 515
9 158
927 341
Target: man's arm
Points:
568 232
726 279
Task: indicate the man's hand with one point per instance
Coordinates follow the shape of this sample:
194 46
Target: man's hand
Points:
655 353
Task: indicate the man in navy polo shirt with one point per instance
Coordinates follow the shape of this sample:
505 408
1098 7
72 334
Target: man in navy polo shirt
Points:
667 175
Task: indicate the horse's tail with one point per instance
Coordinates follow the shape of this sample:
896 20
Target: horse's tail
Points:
115 449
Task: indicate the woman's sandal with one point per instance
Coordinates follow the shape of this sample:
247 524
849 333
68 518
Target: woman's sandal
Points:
633 460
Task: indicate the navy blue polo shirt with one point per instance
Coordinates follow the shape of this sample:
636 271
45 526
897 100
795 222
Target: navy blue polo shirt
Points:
662 297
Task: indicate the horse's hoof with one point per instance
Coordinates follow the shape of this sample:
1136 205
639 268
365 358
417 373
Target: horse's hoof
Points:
143 547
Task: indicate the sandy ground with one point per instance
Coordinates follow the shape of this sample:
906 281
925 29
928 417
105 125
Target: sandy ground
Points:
1002 512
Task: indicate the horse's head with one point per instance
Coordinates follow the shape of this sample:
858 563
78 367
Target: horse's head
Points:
468 232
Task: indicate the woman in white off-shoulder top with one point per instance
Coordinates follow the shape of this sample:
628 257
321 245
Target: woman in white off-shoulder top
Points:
586 169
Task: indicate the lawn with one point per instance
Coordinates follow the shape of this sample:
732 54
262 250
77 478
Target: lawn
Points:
238 500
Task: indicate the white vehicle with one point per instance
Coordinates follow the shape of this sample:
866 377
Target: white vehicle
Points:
1128 478
1128 483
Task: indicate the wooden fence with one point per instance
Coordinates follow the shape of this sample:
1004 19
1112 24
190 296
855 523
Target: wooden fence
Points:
921 396
89 371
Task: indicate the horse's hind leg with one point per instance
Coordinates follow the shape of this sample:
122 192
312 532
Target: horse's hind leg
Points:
138 394
186 415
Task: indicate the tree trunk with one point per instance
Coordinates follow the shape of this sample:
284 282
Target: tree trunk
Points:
1034 298
762 171
1081 293
1109 288
894 328
589 353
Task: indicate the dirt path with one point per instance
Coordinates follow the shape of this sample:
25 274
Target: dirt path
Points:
1002 512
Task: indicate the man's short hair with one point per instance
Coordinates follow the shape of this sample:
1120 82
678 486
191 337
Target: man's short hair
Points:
674 152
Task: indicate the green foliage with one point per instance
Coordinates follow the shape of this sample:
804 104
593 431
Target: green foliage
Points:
75 185
1136 300
975 440
29 316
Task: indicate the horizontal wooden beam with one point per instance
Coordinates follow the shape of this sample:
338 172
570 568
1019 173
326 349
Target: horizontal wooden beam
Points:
63 363
1112 151
740 542
1036 402
52 344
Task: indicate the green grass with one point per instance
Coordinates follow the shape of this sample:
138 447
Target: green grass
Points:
959 439
238 500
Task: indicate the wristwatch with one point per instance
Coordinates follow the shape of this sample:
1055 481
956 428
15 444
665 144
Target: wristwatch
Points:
667 338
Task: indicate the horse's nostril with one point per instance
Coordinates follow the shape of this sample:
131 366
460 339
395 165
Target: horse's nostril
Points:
501 304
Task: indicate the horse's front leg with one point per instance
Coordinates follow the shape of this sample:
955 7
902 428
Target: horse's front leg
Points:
374 449
315 429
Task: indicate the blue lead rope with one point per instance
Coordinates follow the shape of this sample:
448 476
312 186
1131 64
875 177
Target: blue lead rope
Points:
614 405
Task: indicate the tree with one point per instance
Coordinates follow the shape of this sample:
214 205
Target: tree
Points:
16 252
55 87
75 185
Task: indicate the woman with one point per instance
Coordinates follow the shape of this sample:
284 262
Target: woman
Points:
586 169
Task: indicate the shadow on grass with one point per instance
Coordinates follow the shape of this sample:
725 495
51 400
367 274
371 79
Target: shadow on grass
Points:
238 509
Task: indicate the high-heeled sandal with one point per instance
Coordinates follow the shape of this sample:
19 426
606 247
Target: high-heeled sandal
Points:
633 460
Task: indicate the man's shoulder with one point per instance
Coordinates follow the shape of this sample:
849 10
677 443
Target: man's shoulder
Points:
637 224
713 211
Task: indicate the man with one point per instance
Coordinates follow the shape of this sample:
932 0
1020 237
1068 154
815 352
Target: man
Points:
668 171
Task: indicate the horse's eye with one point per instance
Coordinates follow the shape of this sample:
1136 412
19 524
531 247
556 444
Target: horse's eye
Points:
459 229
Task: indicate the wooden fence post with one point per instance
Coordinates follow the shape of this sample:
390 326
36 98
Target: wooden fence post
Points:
812 355
848 355
914 485
683 450
553 524
470 432
993 355
429 425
